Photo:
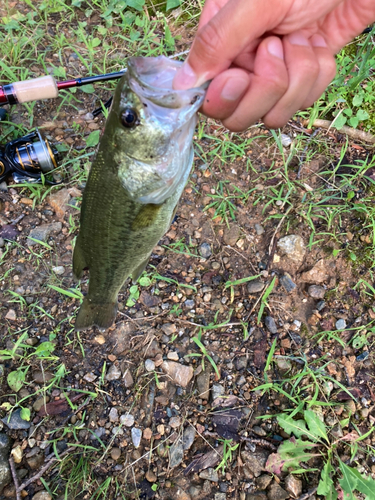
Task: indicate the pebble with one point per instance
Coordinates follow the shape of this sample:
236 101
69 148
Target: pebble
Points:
115 453
90 377
114 373
255 286
113 415
59 270
259 229
42 232
2 242
287 283
99 339
40 402
215 265
255 461
293 485
317 274
188 437
217 391
127 420
11 315
149 365
240 362
270 324
203 384
259 431
15 421
263 481
231 235
176 453
180 374
136 437
169 328
59 200
173 355
42 495
17 454
220 496
205 250
276 492
147 433
128 379
320 305
316 291
293 246
340 324
151 476
286 140
42 377
189 304
175 422
210 474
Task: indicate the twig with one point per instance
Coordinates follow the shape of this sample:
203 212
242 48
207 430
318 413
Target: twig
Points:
353 133
45 467
309 494
15 478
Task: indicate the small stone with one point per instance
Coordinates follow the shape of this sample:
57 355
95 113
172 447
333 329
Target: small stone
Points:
182 495
175 422
11 315
231 235
149 365
147 433
2 242
127 420
180 374
276 492
176 453
169 328
220 496
114 373
188 437
316 291
320 305
42 377
293 485
42 232
340 324
205 250
173 355
241 362
293 246
259 229
270 324
128 379
36 460
59 270
318 274
215 265
17 454
263 481
113 415
115 453
136 437
189 304
99 339
151 476
14 421
287 283
42 495
255 286
203 384
255 461
283 364
40 403
217 391
259 431
59 202
90 377
286 140
5 474
210 474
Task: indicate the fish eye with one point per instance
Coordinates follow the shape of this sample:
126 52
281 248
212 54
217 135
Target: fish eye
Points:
129 117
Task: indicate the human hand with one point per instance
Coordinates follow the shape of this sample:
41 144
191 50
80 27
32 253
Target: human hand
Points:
268 58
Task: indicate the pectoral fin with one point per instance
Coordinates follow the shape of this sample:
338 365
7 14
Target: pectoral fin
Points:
139 270
146 216
79 263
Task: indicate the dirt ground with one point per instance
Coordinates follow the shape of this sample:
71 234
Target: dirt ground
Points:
199 363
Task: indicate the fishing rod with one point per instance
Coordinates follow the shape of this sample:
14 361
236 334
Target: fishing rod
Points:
46 87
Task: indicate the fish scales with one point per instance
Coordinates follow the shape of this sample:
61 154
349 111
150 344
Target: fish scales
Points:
134 185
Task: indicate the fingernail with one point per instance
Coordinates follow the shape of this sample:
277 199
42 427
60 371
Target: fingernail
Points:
298 39
185 78
275 48
318 41
233 89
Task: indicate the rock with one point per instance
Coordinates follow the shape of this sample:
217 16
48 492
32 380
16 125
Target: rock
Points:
42 377
175 422
217 391
42 232
173 355
149 365
188 437
340 324
180 374
293 485
90 377
256 496
210 474
255 461
114 373
59 202
317 274
17 454
263 481
203 383
11 315
59 270
36 460
259 229
42 495
15 421
205 250
286 140
40 402
115 453
231 235
2 242
136 437
169 328
270 324
151 476
128 379
320 305
259 431
113 415
127 420
120 338
287 283
316 291
255 286
5 474
176 453
276 492
100 339
182 495
189 304
292 246
240 363
283 364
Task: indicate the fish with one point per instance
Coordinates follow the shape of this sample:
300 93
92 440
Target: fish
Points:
139 172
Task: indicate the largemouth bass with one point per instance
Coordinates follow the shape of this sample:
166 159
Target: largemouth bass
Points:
138 175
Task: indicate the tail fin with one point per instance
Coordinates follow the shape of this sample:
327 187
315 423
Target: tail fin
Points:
100 315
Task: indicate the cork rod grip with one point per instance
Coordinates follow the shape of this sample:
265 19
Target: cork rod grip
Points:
32 90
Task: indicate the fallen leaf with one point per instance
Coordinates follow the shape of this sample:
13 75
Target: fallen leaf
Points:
58 407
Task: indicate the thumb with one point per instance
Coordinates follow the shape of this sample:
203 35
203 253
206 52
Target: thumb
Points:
234 27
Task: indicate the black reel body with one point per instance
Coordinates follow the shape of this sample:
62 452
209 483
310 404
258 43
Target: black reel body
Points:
27 158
